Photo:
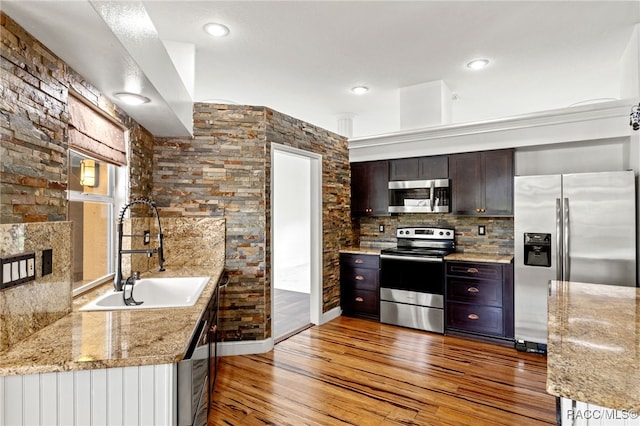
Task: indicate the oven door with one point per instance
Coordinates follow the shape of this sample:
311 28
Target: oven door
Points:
422 274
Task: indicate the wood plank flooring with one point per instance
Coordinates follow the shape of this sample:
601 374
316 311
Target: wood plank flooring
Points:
291 312
358 372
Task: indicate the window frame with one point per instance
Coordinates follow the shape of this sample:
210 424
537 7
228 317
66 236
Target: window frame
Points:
112 200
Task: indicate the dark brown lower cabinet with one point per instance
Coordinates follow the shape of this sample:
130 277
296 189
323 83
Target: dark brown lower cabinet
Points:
479 300
359 285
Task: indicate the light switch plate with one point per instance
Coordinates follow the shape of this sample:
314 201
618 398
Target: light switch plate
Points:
6 273
482 230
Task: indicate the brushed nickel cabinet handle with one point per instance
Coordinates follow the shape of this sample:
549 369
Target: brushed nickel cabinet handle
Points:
473 317
359 278
473 290
472 270
359 299
358 261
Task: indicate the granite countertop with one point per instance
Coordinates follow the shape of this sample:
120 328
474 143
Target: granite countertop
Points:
480 257
360 250
593 351
103 339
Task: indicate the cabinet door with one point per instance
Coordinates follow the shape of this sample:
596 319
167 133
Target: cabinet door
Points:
370 188
379 188
498 182
359 189
466 181
435 167
404 169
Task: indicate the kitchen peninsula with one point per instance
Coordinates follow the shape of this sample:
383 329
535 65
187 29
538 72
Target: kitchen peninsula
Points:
593 351
103 367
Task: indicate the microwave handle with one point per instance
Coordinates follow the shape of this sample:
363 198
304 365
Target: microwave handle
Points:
432 194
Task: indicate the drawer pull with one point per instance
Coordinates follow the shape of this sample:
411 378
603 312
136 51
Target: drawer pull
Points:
472 270
473 317
359 299
359 278
473 290
358 261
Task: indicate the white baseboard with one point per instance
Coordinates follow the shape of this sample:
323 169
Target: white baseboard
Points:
247 347
331 315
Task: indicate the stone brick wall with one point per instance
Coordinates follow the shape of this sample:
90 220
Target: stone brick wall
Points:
499 237
33 117
224 170
34 91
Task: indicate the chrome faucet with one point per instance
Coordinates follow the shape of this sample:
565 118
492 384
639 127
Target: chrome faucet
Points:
118 281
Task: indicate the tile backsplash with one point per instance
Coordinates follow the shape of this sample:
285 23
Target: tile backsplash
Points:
31 306
498 238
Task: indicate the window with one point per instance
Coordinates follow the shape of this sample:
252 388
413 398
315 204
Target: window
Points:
92 204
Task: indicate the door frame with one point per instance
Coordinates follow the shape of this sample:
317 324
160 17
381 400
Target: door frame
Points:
315 316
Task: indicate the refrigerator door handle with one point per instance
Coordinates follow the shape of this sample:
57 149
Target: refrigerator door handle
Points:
559 252
565 238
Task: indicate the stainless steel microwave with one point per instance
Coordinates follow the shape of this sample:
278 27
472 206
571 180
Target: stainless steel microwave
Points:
419 196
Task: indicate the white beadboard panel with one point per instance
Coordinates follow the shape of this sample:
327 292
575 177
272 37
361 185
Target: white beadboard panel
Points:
99 398
12 401
82 388
31 393
129 396
48 398
130 392
147 407
115 397
65 399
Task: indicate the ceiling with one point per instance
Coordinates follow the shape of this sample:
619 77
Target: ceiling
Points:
302 57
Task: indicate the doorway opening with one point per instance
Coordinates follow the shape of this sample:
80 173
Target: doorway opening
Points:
296 240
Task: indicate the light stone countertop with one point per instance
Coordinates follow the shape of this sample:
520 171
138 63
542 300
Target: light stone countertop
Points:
479 257
593 351
360 250
103 339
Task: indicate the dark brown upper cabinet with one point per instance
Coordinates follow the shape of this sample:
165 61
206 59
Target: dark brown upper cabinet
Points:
482 183
419 168
370 188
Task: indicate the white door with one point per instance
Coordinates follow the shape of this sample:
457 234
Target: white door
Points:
295 240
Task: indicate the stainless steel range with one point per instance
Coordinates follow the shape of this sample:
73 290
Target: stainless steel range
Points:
412 278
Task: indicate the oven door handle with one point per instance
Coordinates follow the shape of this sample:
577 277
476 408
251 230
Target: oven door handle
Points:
412 258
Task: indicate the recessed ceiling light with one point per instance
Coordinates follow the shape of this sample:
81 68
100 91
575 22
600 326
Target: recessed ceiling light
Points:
359 90
478 64
132 98
216 30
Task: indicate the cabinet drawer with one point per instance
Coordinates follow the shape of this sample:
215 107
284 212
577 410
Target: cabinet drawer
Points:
491 271
362 301
360 260
478 319
363 279
480 292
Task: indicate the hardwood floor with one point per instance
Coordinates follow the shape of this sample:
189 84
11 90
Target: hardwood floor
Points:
291 313
358 372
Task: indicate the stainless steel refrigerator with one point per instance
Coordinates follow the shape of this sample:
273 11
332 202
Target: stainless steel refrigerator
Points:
572 227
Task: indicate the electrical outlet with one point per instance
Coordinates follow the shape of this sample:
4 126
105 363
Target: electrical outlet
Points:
381 227
482 230
47 262
147 237
31 267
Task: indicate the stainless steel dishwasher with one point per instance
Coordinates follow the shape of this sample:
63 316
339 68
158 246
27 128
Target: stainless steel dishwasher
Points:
196 375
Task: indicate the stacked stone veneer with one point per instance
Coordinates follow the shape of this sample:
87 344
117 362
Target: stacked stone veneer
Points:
35 86
224 170
28 307
498 239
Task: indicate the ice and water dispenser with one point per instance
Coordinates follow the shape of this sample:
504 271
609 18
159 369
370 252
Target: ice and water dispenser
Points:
537 249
